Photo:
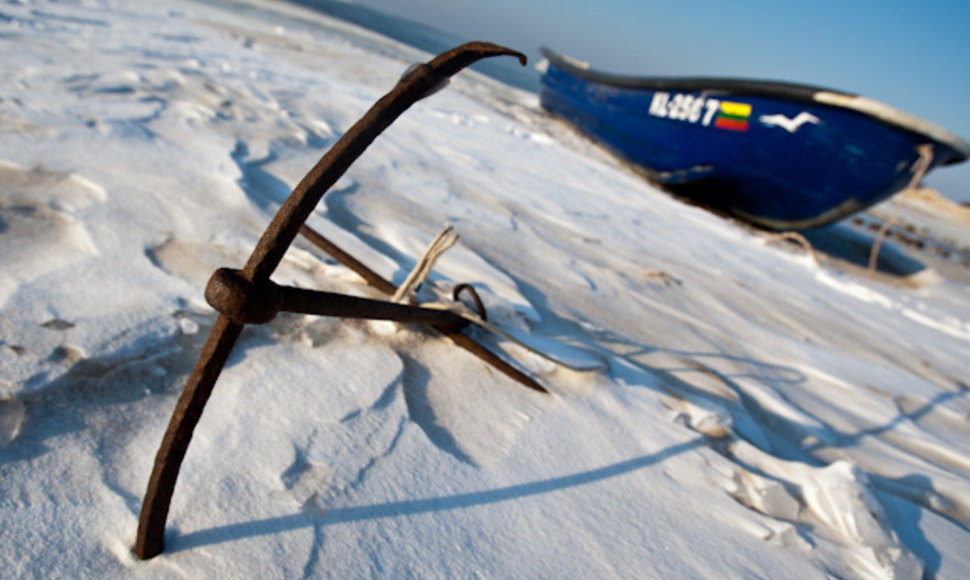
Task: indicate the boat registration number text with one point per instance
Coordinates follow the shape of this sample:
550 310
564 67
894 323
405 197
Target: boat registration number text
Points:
698 109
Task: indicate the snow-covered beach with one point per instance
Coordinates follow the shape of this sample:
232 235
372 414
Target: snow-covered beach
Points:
762 414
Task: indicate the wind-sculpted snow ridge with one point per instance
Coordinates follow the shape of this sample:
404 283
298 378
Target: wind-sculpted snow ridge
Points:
761 414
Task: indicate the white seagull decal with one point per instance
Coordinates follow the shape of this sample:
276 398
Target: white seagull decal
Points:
790 125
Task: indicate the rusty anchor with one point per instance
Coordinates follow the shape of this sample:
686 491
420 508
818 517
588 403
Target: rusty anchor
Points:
247 296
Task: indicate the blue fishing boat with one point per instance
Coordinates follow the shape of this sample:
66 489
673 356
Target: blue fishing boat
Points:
782 156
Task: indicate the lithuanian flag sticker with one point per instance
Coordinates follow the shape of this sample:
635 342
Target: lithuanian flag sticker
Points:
733 116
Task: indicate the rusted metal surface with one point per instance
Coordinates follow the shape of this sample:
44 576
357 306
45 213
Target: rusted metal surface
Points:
470 290
168 460
372 277
416 83
241 294
461 340
469 344
245 303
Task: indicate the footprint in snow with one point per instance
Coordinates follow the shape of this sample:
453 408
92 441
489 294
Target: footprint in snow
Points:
38 228
12 414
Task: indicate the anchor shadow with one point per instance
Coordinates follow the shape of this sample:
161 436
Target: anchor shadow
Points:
281 524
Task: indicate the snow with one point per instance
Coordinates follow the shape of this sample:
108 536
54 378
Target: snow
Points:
761 414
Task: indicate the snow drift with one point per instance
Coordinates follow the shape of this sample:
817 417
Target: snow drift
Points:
761 414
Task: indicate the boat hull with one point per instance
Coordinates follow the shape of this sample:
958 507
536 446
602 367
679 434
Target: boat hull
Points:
780 161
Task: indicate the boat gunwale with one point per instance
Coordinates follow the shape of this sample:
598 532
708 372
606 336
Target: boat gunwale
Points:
777 89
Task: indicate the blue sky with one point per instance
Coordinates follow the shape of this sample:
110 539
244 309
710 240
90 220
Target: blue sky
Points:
911 55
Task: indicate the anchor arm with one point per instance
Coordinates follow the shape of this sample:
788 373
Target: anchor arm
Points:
418 83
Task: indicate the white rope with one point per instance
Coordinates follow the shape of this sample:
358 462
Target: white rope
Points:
919 169
442 242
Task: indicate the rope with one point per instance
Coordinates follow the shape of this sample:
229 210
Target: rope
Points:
442 242
919 169
798 239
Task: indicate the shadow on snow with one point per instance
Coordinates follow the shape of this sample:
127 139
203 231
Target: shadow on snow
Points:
281 524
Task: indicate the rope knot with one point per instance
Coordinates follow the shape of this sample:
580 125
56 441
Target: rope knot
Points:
241 300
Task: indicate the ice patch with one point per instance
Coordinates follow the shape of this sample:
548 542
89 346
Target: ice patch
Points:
765 495
839 497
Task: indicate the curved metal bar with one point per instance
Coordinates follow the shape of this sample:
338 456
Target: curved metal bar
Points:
459 339
415 85
188 411
468 288
332 249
